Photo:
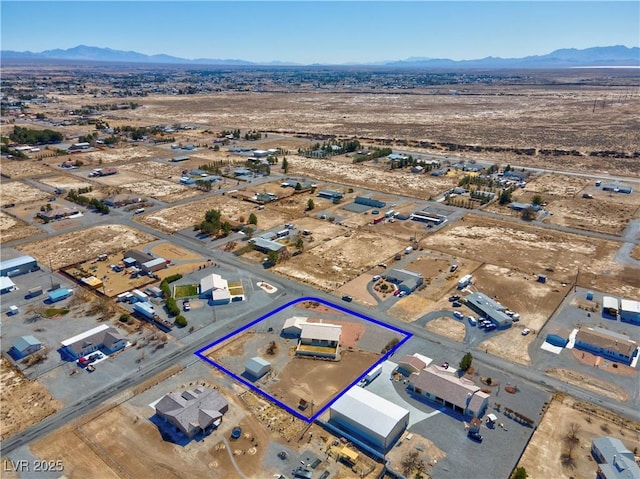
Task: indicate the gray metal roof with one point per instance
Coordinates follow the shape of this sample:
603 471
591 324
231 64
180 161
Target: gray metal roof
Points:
16 262
23 342
619 461
192 410
262 243
255 366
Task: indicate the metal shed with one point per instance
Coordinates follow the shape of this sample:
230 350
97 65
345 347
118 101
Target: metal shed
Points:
257 367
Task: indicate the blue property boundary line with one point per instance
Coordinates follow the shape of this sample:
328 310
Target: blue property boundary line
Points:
199 353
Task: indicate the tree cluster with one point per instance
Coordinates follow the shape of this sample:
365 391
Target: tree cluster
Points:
94 203
36 137
375 153
213 225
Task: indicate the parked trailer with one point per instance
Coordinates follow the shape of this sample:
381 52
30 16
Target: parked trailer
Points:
371 375
59 294
145 309
34 292
464 281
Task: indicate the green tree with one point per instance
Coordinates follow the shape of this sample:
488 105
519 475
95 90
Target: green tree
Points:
273 257
285 165
536 200
465 362
529 213
298 186
181 321
505 197
299 243
310 204
253 219
519 473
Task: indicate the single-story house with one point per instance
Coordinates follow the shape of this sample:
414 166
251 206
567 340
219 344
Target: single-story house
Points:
212 282
614 460
319 340
407 281
445 387
608 344
24 346
194 411
104 337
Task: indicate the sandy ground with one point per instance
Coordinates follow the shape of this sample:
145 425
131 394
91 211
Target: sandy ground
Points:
18 192
65 182
70 248
429 452
507 115
174 253
12 229
23 168
330 264
420 186
180 217
162 189
531 250
22 402
590 383
542 459
447 327
357 288
124 154
510 344
411 307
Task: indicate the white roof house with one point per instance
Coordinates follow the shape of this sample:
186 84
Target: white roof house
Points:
211 282
320 332
370 417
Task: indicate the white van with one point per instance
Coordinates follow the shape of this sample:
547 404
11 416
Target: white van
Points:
139 210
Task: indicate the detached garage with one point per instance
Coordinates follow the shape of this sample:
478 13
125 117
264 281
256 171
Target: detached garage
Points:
257 367
369 417
630 311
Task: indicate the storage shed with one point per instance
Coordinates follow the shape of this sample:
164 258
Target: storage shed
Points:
257 367
369 417
610 305
630 311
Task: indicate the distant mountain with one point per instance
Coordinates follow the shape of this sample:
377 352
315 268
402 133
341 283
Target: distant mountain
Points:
618 55
564 58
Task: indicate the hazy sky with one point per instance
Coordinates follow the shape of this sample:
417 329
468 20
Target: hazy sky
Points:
323 32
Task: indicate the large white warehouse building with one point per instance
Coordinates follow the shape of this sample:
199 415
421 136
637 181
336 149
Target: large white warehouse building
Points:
369 417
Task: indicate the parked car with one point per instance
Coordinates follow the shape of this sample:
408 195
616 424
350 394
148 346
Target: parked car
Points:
396 292
474 436
376 277
402 294
186 305
490 327
515 318
456 304
347 298
453 298
382 265
472 321
458 315
525 331
453 268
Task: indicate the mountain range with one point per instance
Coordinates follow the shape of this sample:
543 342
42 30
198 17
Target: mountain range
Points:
616 56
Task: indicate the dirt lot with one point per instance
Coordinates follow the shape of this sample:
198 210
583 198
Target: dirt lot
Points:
420 186
525 248
605 212
18 192
591 383
174 253
357 289
70 248
12 229
23 168
447 327
332 263
180 217
295 378
162 190
124 154
22 402
411 307
543 456
521 293
66 182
